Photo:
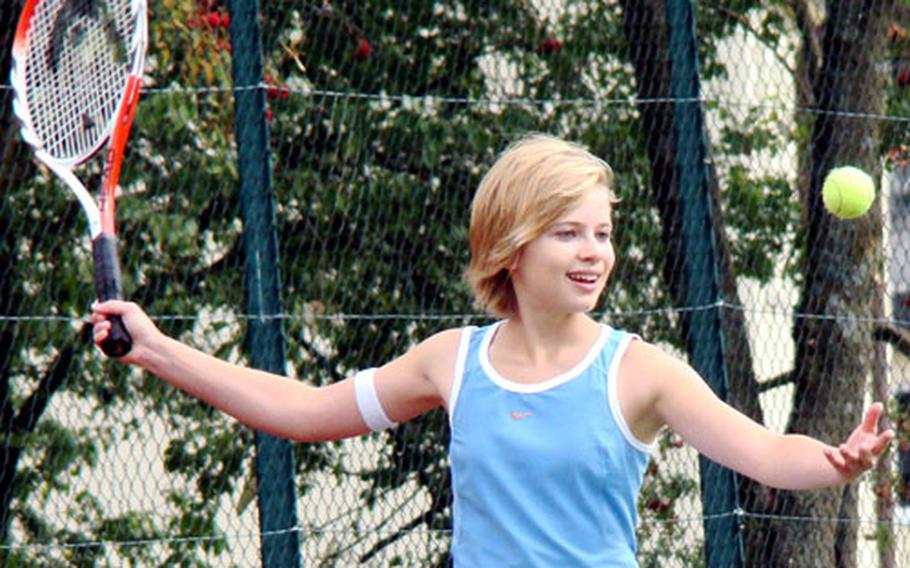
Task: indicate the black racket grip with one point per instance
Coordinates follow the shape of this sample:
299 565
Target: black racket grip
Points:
109 286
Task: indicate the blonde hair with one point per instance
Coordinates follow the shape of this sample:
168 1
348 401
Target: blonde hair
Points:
533 183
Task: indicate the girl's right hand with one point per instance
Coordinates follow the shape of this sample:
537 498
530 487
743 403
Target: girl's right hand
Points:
138 324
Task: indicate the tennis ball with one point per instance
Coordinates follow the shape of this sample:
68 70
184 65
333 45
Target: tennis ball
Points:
848 192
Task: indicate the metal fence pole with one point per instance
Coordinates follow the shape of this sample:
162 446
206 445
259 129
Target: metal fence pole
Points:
705 341
265 340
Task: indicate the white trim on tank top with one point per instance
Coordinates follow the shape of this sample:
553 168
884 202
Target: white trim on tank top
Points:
546 384
464 343
613 397
612 376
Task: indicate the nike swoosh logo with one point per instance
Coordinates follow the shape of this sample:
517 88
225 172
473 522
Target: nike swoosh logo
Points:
520 415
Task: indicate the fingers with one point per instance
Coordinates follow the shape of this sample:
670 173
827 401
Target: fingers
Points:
99 318
100 330
864 446
110 308
856 457
869 447
849 463
879 440
848 467
882 442
862 457
102 312
835 458
870 421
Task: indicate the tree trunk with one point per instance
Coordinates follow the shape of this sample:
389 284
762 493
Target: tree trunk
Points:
842 266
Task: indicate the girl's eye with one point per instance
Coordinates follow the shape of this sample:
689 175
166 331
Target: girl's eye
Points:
565 234
603 236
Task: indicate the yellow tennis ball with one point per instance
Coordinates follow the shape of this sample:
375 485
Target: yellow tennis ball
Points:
848 192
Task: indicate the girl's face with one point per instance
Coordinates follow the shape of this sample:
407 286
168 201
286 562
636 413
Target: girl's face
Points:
566 268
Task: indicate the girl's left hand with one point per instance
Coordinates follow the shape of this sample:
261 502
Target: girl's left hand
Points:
862 449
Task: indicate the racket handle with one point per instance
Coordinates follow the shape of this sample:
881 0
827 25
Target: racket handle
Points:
109 286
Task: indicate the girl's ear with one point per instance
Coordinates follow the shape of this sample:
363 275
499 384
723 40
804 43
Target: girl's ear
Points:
514 261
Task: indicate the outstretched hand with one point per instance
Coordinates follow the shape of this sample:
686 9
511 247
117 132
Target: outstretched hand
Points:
862 449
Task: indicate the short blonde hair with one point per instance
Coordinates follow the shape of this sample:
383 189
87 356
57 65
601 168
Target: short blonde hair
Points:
533 183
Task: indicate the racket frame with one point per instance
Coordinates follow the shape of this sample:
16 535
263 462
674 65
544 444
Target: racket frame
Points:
100 214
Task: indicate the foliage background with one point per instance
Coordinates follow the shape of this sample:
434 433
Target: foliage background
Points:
383 117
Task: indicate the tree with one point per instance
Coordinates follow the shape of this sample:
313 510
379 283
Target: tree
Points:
842 261
383 117
843 265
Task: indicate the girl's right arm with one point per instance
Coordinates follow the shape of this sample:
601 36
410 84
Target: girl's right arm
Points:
267 402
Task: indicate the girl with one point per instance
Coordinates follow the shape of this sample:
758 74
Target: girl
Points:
553 415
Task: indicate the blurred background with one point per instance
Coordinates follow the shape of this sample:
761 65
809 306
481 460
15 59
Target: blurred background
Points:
295 196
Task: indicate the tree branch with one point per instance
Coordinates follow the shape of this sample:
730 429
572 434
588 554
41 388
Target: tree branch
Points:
899 338
34 406
423 519
778 381
743 20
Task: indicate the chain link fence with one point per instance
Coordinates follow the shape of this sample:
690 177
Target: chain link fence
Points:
382 117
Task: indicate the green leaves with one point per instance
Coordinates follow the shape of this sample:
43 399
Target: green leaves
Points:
757 247
375 153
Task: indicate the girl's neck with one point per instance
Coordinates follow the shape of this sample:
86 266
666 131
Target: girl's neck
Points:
542 339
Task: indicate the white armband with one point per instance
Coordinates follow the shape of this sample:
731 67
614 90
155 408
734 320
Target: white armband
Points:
368 401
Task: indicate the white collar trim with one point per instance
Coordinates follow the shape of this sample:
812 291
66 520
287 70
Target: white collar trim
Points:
546 384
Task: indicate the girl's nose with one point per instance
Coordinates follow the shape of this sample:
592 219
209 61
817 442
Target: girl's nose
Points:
589 247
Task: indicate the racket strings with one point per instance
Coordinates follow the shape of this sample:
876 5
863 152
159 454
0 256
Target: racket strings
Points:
77 65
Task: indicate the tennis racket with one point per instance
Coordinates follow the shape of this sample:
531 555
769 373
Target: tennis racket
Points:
77 69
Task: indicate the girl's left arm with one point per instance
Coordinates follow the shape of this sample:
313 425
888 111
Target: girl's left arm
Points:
684 402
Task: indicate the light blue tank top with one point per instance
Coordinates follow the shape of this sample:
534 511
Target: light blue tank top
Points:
543 474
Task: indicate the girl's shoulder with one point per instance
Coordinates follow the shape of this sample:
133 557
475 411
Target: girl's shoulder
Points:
650 371
648 368
443 341
437 357
437 354
642 355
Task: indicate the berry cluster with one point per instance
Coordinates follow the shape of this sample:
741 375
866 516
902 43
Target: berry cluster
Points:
364 50
549 46
213 20
899 39
273 91
209 15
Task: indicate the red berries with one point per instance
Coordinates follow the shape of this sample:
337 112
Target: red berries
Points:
211 20
218 20
549 45
658 505
364 50
273 92
903 78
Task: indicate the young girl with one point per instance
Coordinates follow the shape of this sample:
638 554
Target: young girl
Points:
553 415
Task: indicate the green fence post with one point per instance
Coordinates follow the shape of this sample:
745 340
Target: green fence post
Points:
265 340
705 341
